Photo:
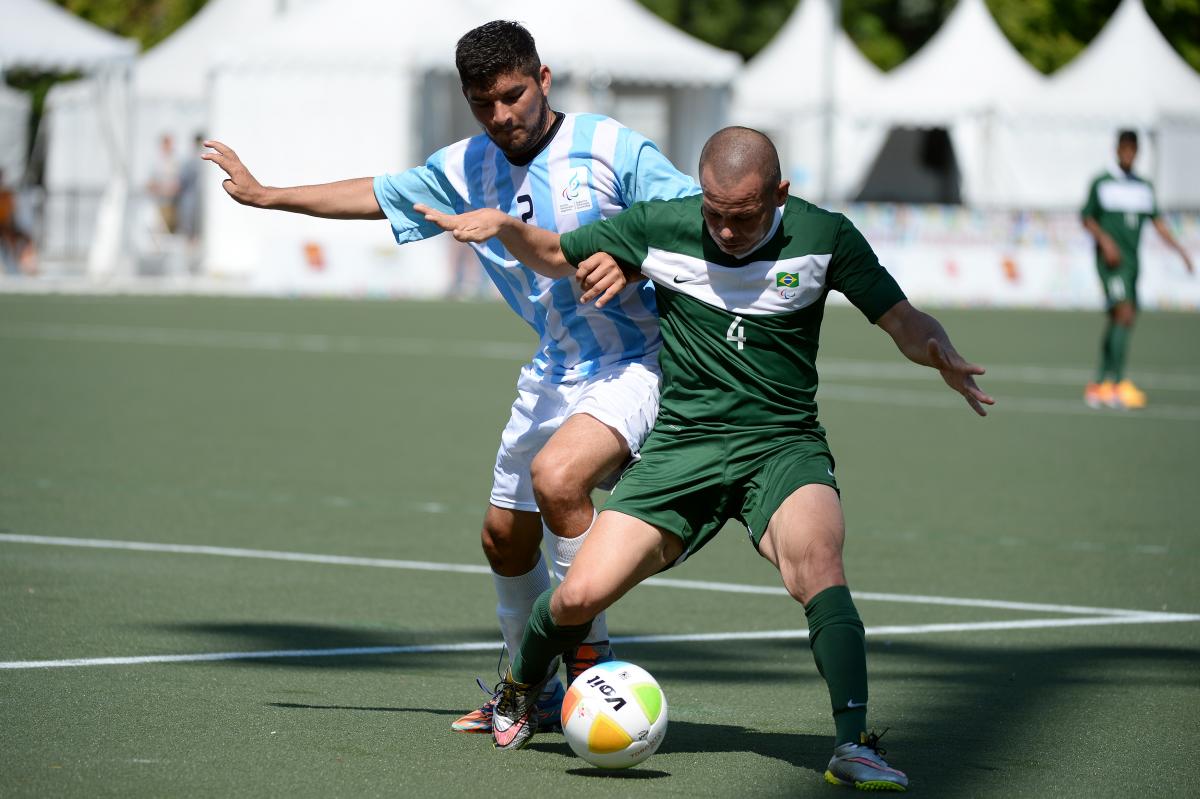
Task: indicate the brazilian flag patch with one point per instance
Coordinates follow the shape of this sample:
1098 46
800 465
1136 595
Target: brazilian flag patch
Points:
787 280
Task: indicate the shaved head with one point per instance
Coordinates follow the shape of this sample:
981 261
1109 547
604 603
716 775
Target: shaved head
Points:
740 178
733 153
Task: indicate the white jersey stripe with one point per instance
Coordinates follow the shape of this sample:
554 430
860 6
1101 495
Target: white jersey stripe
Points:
581 176
753 289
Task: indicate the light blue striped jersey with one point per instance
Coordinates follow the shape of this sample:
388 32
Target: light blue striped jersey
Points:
591 169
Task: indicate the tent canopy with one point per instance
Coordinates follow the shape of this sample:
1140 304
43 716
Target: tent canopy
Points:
177 68
356 32
38 34
391 33
622 40
967 68
1129 71
789 73
1128 77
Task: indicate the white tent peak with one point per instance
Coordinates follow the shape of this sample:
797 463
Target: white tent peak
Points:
425 35
789 70
1131 65
968 67
363 32
177 67
38 34
610 40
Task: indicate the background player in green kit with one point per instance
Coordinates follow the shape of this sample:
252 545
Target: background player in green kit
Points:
741 274
1117 205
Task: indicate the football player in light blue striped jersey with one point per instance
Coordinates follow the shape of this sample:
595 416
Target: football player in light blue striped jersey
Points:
589 395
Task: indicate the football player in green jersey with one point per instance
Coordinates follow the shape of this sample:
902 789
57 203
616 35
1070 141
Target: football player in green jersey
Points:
741 272
1117 205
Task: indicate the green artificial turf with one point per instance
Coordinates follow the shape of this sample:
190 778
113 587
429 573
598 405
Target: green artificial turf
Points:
368 429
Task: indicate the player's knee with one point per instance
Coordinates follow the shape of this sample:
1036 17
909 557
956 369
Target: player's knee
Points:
554 481
820 568
575 602
504 554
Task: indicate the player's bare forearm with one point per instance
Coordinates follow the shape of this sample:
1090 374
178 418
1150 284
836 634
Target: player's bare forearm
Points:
1108 247
536 248
1164 230
912 330
923 340
344 199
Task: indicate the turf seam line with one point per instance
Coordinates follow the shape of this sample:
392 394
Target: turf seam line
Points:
633 640
461 568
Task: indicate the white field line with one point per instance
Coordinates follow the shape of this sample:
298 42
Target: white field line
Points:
326 343
461 568
476 646
236 552
916 599
273 342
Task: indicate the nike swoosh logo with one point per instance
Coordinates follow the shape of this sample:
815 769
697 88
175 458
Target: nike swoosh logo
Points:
688 279
851 704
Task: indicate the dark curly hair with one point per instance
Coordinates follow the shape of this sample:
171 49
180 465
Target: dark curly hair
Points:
493 49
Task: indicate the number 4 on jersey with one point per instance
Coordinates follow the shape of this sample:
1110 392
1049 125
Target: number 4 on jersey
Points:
736 332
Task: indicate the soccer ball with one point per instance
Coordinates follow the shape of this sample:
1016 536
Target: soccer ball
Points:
614 715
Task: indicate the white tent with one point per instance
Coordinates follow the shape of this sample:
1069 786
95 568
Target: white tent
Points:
788 91
959 81
14 126
41 35
1128 77
170 86
361 87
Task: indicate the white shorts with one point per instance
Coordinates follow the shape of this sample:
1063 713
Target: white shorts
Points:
625 398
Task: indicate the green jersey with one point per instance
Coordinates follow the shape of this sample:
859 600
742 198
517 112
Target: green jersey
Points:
1120 203
740 335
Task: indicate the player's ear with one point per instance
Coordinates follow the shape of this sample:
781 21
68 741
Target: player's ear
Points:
781 193
544 79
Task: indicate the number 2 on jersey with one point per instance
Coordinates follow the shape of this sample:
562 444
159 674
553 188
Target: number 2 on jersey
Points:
522 200
736 333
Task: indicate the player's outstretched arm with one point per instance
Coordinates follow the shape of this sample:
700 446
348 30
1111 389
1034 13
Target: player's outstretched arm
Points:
345 199
1160 225
536 248
923 340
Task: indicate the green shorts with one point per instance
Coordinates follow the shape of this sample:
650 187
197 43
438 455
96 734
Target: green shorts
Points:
1120 285
691 485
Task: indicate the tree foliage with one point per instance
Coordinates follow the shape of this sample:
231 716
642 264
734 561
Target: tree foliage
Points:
148 21
1049 33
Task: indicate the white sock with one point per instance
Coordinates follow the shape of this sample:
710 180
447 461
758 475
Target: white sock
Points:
562 553
515 597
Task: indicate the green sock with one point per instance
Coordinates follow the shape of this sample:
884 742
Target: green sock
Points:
1118 347
1105 354
835 633
544 640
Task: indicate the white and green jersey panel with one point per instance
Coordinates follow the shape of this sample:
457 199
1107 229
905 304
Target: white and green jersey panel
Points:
1120 203
740 335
